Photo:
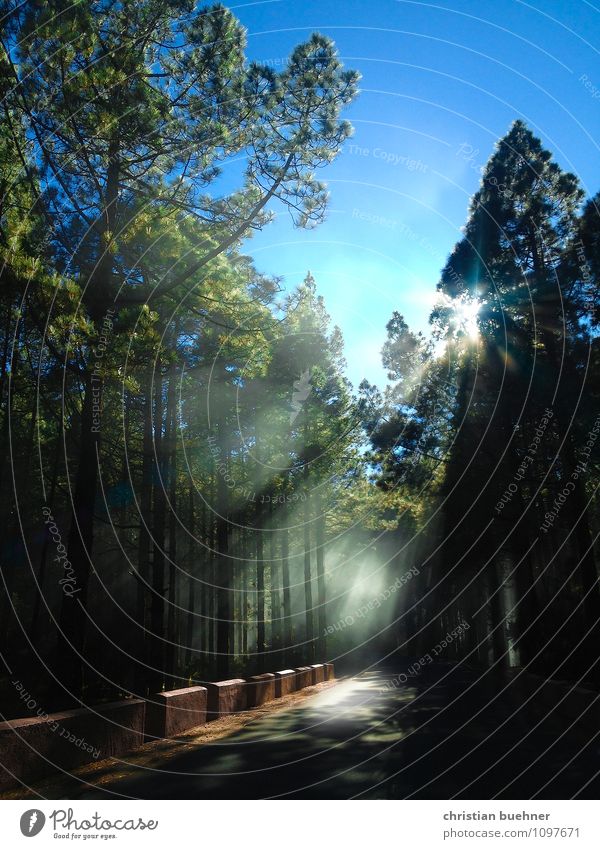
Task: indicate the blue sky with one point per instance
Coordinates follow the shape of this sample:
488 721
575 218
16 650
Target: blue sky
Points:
441 82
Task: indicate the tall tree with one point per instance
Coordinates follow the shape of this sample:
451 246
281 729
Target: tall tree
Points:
131 109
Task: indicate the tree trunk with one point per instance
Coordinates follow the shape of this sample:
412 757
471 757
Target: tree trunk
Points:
190 625
172 610
157 673
320 540
34 628
73 620
224 572
244 609
308 599
143 577
497 616
275 593
260 595
287 601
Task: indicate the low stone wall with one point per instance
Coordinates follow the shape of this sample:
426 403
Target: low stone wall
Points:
318 673
304 677
285 682
33 748
260 689
225 698
175 711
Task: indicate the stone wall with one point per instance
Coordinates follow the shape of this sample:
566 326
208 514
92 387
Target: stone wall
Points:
33 748
175 711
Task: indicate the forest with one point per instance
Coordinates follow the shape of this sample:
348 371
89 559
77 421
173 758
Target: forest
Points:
191 487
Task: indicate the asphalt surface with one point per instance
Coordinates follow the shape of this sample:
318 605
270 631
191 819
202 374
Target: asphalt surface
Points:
439 734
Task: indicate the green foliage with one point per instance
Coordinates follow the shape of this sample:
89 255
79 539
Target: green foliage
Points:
140 330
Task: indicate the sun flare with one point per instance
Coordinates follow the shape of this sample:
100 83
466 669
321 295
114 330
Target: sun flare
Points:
466 312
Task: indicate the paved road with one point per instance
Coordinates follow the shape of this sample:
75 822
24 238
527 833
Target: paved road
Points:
440 735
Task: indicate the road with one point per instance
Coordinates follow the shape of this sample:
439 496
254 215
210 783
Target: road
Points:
442 734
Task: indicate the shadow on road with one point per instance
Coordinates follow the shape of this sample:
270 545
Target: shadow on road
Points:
441 733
